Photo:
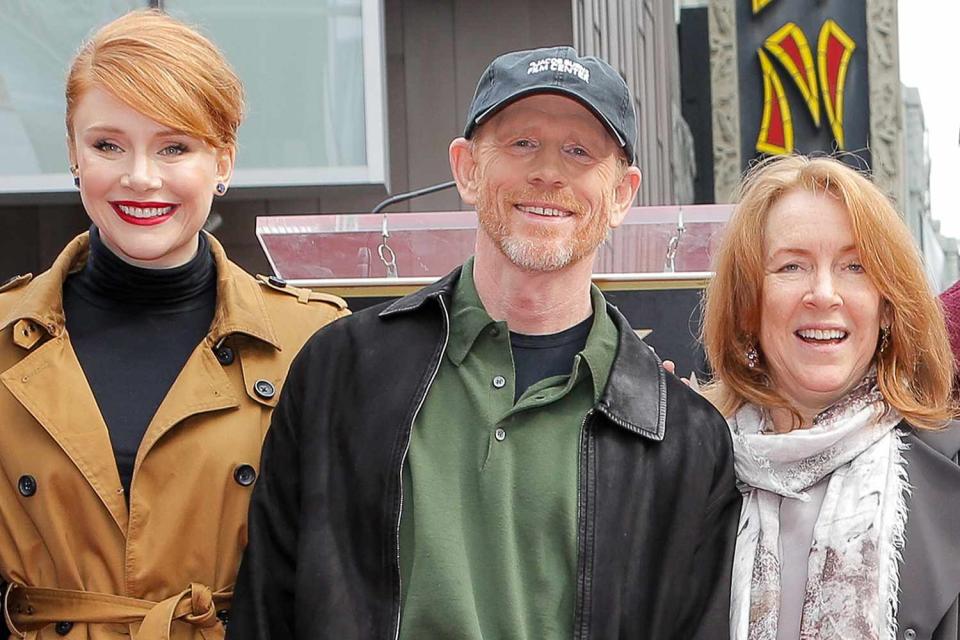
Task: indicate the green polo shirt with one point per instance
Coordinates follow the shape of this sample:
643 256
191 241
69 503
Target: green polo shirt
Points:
488 534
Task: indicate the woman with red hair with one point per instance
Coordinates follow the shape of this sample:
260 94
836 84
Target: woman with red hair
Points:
833 368
138 374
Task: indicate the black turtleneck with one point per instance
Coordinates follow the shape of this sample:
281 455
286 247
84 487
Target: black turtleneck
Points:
133 329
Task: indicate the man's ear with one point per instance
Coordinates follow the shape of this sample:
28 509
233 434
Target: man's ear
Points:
464 168
624 194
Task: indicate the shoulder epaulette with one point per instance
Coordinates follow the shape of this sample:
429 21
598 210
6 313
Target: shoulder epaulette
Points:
16 281
301 294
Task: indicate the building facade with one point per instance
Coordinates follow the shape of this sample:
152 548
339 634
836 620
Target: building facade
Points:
366 108
804 76
939 252
808 76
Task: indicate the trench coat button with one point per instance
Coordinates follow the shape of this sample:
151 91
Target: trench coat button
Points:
264 389
27 486
244 475
494 332
63 628
224 355
909 634
224 616
277 282
500 435
499 382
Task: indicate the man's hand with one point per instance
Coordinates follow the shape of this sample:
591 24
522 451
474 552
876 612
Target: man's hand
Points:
670 366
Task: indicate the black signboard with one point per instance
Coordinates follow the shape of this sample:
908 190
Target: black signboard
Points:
803 78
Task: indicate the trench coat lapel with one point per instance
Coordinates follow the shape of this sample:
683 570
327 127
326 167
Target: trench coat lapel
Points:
930 572
201 386
50 384
240 305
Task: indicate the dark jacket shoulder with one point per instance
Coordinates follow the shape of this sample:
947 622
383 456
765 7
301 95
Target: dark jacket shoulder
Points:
930 570
376 332
640 389
945 441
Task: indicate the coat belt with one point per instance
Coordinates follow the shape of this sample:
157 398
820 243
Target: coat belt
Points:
32 608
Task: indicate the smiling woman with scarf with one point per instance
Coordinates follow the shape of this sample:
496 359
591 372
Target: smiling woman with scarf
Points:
833 367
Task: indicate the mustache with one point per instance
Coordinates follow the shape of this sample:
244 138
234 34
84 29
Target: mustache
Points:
554 199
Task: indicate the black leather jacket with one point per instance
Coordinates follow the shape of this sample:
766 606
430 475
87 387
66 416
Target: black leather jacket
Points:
658 506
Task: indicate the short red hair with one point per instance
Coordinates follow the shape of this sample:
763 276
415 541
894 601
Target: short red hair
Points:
165 70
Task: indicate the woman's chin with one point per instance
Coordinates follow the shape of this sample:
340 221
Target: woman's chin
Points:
155 253
818 398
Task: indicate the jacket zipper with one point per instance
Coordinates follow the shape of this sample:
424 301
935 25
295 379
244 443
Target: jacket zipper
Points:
406 449
580 603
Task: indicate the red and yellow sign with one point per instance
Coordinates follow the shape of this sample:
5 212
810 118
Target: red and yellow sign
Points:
834 50
776 127
758 5
789 46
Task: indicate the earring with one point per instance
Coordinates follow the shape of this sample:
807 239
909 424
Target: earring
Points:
753 358
221 188
76 181
884 338
75 170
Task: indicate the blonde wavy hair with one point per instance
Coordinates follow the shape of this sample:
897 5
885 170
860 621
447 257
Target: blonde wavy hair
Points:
914 373
165 70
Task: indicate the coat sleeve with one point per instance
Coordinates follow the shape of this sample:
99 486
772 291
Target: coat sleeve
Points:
708 613
263 602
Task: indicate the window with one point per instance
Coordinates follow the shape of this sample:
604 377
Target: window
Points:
313 74
312 70
37 41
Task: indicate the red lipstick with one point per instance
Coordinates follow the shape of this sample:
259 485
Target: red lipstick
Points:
144 214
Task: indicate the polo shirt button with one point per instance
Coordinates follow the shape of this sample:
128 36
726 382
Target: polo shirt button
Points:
909 634
63 628
245 475
264 389
499 382
224 355
500 435
27 485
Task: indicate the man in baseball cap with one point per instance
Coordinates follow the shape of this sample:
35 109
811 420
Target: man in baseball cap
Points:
523 468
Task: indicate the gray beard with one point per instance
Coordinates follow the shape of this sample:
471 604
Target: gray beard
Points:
530 255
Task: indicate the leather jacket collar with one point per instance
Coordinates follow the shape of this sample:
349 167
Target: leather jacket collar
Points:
638 408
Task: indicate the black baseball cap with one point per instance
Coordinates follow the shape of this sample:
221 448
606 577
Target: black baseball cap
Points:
588 80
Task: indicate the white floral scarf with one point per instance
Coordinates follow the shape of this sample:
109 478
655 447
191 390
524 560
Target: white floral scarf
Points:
853 576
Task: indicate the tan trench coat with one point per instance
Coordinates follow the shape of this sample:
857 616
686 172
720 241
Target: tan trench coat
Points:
64 522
